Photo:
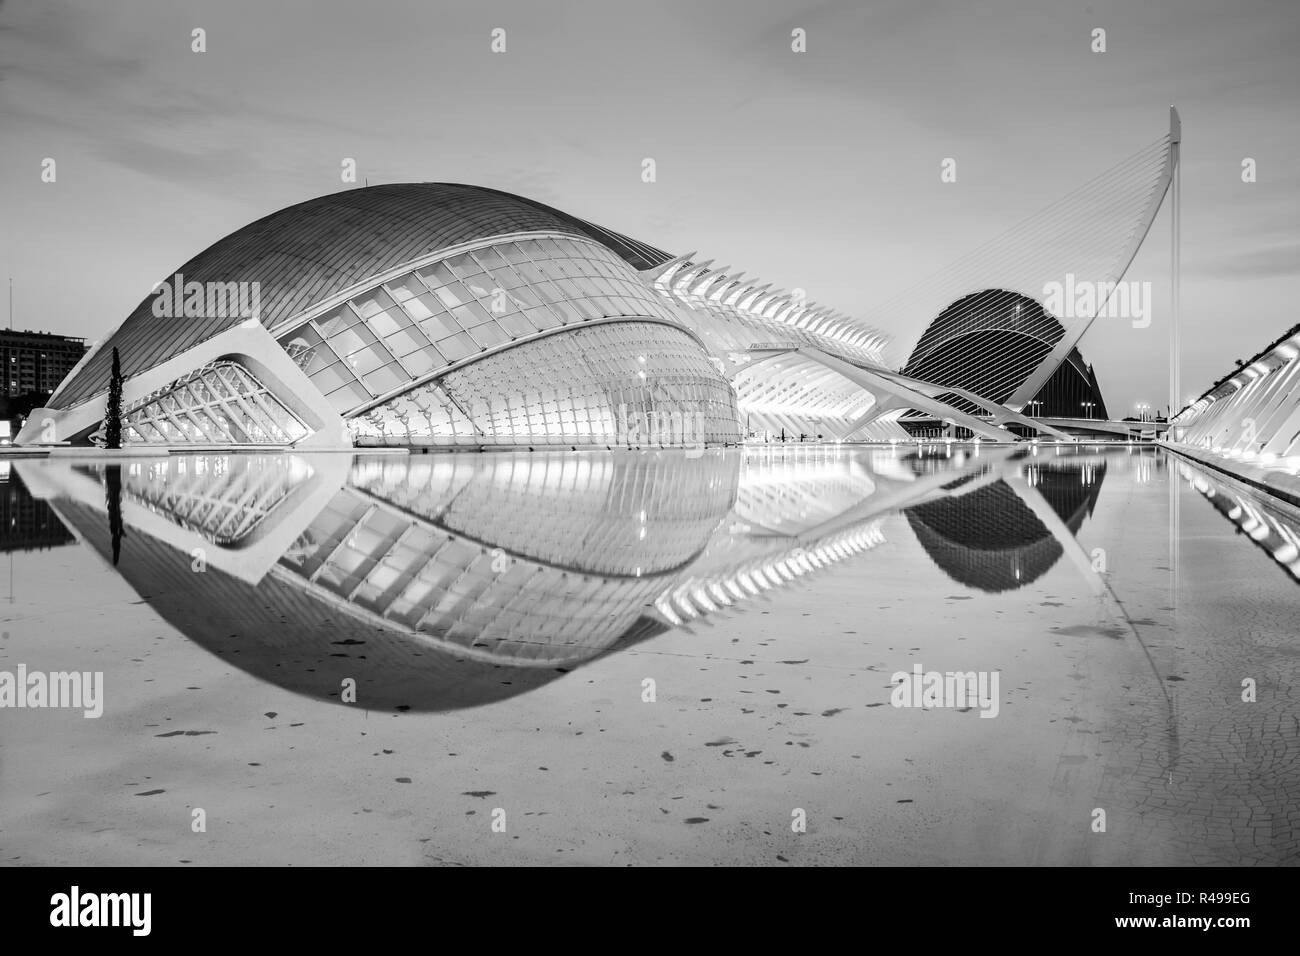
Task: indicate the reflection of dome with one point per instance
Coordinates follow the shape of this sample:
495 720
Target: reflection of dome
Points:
989 539
419 615
989 343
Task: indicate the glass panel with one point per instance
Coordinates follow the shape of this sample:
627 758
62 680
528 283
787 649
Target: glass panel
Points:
481 286
463 265
570 288
436 275
439 326
531 272
348 397
566 312
337 320
350 340
526 298
422 306
501 304
457 347
376 300
388 377
489 258
405 342
554 248
368 359
330 378
385 324
507 278
488 335
406 287
585 307
514 253
542 318
453 295
471 315
422 360
515 324
602 305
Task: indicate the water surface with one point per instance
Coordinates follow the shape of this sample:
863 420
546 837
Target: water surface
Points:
650 657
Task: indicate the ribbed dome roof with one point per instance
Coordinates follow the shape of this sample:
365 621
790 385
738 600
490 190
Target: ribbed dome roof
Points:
310 251
989 539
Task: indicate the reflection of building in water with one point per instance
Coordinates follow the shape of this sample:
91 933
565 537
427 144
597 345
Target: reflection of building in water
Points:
432 583
545 560
437 582
26 524
991 538
1275 531
223 498
784 526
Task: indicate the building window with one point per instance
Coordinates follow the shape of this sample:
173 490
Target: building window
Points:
220 403
463 305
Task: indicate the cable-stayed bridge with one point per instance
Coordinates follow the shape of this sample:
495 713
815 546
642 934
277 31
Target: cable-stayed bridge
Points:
995 343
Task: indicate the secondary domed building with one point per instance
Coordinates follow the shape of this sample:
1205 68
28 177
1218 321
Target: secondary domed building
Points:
988 343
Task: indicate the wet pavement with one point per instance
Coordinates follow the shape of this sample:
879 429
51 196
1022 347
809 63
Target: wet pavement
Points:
660 657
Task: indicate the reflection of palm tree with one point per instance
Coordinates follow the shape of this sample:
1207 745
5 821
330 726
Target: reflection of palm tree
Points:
113 497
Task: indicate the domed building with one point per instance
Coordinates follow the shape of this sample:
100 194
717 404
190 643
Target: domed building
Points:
412 314
989 343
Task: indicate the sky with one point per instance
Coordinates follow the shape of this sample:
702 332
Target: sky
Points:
817 170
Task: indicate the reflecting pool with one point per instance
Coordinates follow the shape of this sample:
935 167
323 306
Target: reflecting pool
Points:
652 657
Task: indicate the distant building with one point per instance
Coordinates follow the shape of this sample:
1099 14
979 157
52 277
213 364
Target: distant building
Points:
989 343
34 363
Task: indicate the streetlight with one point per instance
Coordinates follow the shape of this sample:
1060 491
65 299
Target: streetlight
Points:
1088 406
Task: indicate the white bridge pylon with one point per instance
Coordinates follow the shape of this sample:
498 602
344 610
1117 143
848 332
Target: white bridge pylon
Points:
1093 234
1156 192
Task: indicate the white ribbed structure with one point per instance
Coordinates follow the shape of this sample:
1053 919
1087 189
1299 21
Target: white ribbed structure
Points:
1253 417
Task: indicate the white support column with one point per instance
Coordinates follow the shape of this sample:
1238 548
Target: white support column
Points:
1175 269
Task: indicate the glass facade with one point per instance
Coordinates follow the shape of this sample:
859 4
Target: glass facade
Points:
418 575
615 383
628 515
222 403
222 497
459 307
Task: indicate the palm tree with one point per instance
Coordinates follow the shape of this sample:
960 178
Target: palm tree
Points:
113 413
